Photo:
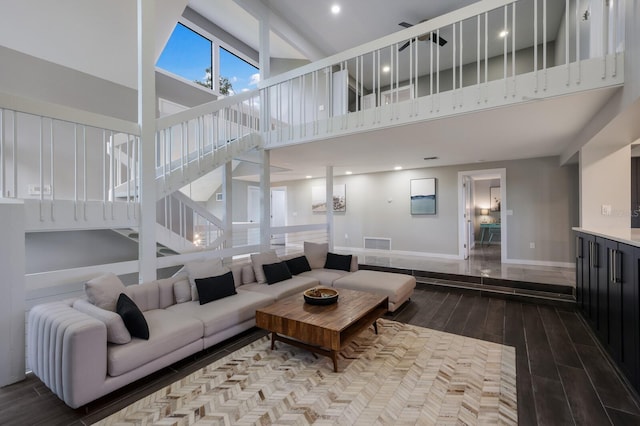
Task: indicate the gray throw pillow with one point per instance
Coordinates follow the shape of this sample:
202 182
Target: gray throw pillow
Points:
116 330
316 254
259 259
103 291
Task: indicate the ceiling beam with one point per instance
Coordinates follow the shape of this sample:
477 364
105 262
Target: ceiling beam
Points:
283 28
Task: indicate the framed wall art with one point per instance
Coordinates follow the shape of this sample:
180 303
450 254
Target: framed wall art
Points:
423 196
319 199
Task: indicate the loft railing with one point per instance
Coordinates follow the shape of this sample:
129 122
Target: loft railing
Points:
50 152
409 75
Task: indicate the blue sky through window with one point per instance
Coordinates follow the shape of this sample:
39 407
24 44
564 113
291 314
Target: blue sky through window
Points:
188 54
242 75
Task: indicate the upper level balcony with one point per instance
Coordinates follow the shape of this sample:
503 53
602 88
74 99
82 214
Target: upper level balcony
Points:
491 54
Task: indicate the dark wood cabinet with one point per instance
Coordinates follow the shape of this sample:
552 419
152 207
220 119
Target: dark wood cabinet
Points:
608 296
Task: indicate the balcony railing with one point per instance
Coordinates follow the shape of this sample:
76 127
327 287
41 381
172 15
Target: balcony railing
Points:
459 62
50 153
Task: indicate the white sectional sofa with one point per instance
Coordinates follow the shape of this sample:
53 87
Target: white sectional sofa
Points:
82 349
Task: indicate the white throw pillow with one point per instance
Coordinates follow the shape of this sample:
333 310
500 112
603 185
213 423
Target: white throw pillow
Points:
316 254
182 290
203 269
103 291
259 259
116 330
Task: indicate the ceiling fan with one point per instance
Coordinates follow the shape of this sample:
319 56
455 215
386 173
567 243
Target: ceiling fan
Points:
436 39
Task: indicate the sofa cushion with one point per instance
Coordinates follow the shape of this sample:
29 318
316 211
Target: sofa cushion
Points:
203 269
325 277
132 317
298 265
116 330
276 272
224 313
168 332
316 254
248 276
341 262
395 286
103 291
146 295
182 291
215 288
285 288
259 259
236 268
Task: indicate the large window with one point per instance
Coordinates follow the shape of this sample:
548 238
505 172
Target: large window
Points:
236 74
192 56
188 54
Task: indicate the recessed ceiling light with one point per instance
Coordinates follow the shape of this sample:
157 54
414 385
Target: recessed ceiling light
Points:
349 172
335 9
397 168
386 68
308 177
504 33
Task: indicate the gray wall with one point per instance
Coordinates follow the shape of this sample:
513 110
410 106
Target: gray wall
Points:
51 251
541 194
35 78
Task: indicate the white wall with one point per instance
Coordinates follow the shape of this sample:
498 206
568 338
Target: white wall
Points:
605 179
542 195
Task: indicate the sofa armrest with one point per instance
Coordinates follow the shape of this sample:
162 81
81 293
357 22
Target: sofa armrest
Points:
68 352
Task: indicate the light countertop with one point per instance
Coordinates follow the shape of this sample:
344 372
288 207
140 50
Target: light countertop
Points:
629 236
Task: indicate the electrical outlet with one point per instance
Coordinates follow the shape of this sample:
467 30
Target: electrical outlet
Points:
606 210
532 245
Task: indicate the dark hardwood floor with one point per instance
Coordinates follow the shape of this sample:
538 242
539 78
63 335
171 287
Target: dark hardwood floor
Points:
562 376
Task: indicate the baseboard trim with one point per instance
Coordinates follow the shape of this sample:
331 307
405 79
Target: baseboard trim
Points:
539 263
374 252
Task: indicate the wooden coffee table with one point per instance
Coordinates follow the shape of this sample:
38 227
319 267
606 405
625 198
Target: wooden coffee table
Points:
323 330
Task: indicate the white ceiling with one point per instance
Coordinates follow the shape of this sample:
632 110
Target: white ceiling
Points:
70 33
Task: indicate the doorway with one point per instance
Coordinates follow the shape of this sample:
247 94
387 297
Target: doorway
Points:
482 215
278 214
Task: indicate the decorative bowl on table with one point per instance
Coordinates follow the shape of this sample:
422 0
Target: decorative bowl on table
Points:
321 296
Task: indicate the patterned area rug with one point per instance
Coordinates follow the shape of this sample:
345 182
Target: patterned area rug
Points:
403 375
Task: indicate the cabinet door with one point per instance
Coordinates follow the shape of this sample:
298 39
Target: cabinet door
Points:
605 251
623 305
597 273
581 271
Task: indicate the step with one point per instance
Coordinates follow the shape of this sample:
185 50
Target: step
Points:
524 291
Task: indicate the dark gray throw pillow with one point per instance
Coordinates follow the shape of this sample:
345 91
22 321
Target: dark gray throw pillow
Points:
276 272
341 262
214 288
132 317
298 265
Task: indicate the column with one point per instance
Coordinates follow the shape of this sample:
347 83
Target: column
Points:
12 286
265 201
147 122
329 188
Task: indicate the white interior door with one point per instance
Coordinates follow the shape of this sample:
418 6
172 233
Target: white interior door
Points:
278 213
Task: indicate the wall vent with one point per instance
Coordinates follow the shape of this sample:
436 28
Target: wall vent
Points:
377 243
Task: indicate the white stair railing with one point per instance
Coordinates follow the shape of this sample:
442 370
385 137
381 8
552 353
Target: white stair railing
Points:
411 75
189 226
196 141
